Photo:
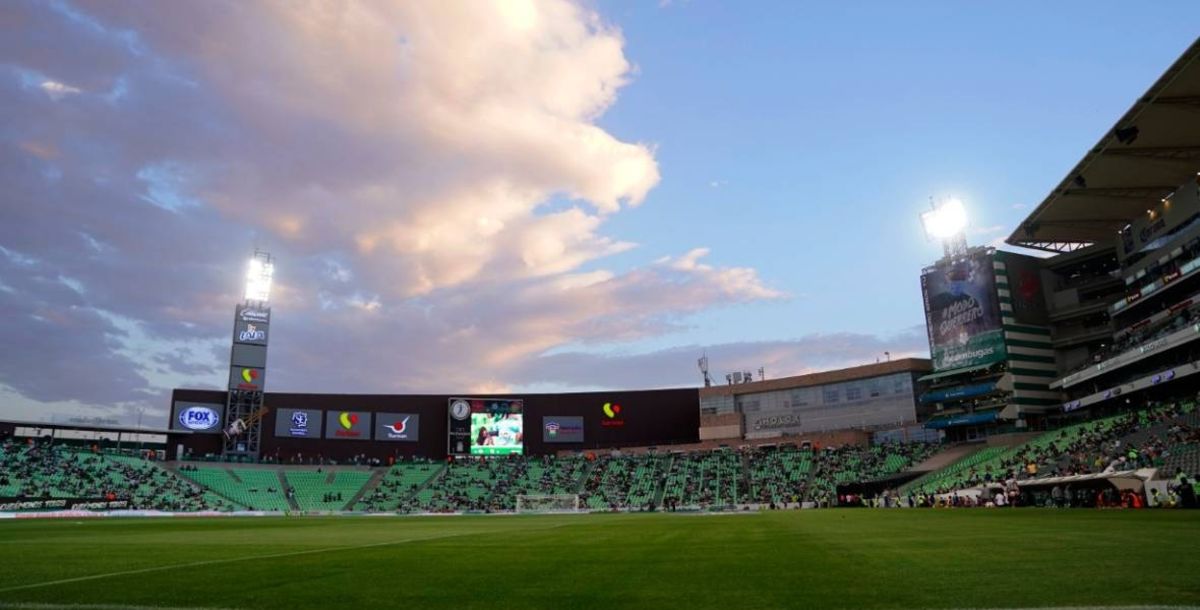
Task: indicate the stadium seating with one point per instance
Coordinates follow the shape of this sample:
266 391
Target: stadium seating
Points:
45 470
397 489
258 489
316 490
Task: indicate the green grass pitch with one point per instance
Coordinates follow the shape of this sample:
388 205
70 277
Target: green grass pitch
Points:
808 559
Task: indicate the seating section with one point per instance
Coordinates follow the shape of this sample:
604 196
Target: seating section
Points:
316 490
257 489
706 479
397 490
780 476
1139 439
1165 436
43 470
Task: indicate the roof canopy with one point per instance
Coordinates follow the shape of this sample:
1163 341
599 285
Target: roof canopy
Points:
1151 151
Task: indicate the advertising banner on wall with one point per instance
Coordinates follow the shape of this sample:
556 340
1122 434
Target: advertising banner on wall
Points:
397 426
562 429
348 425
1025 289
196 416
298 423
962 315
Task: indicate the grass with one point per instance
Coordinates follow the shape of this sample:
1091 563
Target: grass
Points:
829 558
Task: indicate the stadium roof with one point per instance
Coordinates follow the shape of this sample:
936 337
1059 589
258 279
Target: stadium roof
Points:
1151 151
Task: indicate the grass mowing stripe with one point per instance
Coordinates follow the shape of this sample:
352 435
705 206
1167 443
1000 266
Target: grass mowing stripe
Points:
210 562
37 606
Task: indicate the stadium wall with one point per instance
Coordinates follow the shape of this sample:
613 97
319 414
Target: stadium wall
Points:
644 417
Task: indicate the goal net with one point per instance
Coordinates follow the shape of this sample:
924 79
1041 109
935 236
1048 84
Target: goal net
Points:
552 503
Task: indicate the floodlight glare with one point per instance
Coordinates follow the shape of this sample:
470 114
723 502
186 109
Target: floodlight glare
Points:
258 280
946 221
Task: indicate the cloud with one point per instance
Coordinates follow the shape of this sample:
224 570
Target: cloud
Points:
430 176
678 366
57 90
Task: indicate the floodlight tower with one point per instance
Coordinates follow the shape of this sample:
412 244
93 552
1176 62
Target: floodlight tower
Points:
947 223
248 360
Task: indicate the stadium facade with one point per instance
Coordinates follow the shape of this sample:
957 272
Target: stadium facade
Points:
879 397
1119 289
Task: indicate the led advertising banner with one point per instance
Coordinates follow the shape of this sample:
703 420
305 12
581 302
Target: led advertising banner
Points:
348 425
247 378
250 333
197 417
562 429
397 426
298 423
962 315
497 426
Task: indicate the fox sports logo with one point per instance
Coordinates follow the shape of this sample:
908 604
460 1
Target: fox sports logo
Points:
199 418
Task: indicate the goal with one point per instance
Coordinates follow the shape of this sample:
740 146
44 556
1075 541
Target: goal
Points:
552 503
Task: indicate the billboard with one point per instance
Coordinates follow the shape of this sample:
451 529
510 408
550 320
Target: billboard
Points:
348 425
249 333
247 378
197 417
962 315
487 426
397 426
562 429
298 423
1025 289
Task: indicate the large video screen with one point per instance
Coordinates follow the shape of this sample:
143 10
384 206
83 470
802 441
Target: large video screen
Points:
962 314
497 427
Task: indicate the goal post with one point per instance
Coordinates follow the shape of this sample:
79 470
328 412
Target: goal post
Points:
549 503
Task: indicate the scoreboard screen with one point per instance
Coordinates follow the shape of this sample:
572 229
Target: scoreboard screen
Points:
497 427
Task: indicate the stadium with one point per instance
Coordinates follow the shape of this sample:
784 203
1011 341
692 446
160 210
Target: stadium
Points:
1046 454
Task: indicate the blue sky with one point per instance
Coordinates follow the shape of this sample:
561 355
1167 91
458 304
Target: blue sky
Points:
519 196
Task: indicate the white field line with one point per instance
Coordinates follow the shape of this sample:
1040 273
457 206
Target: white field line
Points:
209 562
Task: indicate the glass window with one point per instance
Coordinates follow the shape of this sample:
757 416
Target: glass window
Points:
830 394
853 391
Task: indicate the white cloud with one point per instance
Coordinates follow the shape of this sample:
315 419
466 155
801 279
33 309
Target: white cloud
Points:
397 159
57 90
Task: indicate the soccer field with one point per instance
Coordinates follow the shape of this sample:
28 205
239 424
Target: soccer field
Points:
827 558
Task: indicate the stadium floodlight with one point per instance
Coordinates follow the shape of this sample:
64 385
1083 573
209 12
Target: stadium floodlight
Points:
945 221
258 277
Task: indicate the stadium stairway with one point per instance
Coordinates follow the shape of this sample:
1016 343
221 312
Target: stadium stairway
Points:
944 458
377 475
283 482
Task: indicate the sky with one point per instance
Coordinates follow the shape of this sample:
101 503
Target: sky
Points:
519 196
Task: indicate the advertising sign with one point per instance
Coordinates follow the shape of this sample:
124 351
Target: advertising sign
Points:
348 425
962 315
250 333
197 417
298 423
253 314
247 378
397 426
562 429
1025 289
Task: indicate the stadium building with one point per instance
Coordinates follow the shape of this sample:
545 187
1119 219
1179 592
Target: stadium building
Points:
1124 229
879 398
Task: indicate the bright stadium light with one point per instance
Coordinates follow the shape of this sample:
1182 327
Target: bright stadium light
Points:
258 278
945 221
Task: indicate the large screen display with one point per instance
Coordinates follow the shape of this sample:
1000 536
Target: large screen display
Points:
497 427
962 315
197 417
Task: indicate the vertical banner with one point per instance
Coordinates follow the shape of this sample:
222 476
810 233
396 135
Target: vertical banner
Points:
962 314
